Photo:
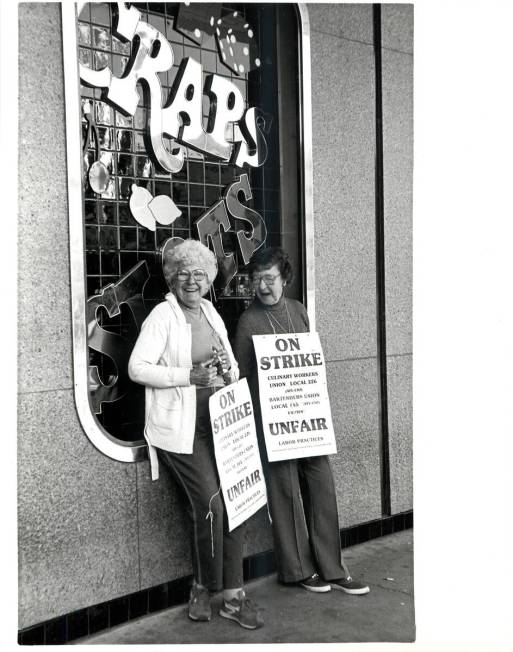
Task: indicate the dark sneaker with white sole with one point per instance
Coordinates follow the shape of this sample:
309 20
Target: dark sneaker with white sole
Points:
242 611
348 585
199 603
315 584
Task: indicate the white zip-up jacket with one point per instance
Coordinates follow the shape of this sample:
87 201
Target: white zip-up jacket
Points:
161 360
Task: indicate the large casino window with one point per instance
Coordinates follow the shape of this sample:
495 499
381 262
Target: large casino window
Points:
190 129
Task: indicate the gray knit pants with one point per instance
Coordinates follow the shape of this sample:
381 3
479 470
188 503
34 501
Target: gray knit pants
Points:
216 553
303 506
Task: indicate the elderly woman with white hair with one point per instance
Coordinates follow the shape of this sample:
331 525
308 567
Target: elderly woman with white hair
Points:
183 356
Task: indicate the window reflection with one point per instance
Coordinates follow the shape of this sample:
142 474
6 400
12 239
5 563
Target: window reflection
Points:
101 60
84 57
108 237
125 164
124 139
128 238
119 65
108 214
110 191
139 142
125 188
123 120
140 118
144 166
101 38
103 113
124 214
118 46
90 212
84 34
107 159
100 13
105 136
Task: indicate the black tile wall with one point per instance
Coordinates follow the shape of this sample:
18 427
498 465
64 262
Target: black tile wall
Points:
32 636
387 526
158 598
179 590
118 611
137 604
56 632
98 617
78 624
375 530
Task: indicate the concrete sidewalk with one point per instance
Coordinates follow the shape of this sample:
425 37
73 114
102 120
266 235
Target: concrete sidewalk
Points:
293 615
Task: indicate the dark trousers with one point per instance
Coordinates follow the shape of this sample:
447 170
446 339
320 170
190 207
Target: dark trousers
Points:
303 506
216 553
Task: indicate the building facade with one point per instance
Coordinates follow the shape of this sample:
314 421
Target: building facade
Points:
321 162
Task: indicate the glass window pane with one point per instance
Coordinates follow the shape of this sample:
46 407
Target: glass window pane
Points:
101 60
125 187
144 167
211 173
163 188
125 165
108 237
101 38
110 192
93 263
212 194
140 145
110 263
107 213
196 194
127 238
85 57
100 13
124 140
119 65
128 260
146 239
122 48
125 216
105 137
104 113
123 120
91 237
90 212
196 173
179 193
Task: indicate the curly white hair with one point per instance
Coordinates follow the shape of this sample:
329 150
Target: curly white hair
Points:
189 252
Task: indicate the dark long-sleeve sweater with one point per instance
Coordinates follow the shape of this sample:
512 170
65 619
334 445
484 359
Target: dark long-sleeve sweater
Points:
259 319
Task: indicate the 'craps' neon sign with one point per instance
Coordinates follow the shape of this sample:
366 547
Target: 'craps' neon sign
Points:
179 117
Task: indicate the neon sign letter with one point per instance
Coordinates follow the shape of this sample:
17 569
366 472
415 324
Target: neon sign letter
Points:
181 117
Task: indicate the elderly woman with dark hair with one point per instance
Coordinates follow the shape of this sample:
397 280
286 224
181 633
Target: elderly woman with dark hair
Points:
183 356
301 492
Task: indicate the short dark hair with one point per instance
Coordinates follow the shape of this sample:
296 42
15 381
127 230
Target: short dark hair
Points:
265 258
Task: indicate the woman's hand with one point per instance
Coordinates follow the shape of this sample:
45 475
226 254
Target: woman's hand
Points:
222 358
227 378
203 374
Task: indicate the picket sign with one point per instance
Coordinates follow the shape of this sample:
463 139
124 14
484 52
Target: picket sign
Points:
296 413
236 450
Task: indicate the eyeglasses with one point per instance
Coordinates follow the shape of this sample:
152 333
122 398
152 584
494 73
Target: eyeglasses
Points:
197 275
268 279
